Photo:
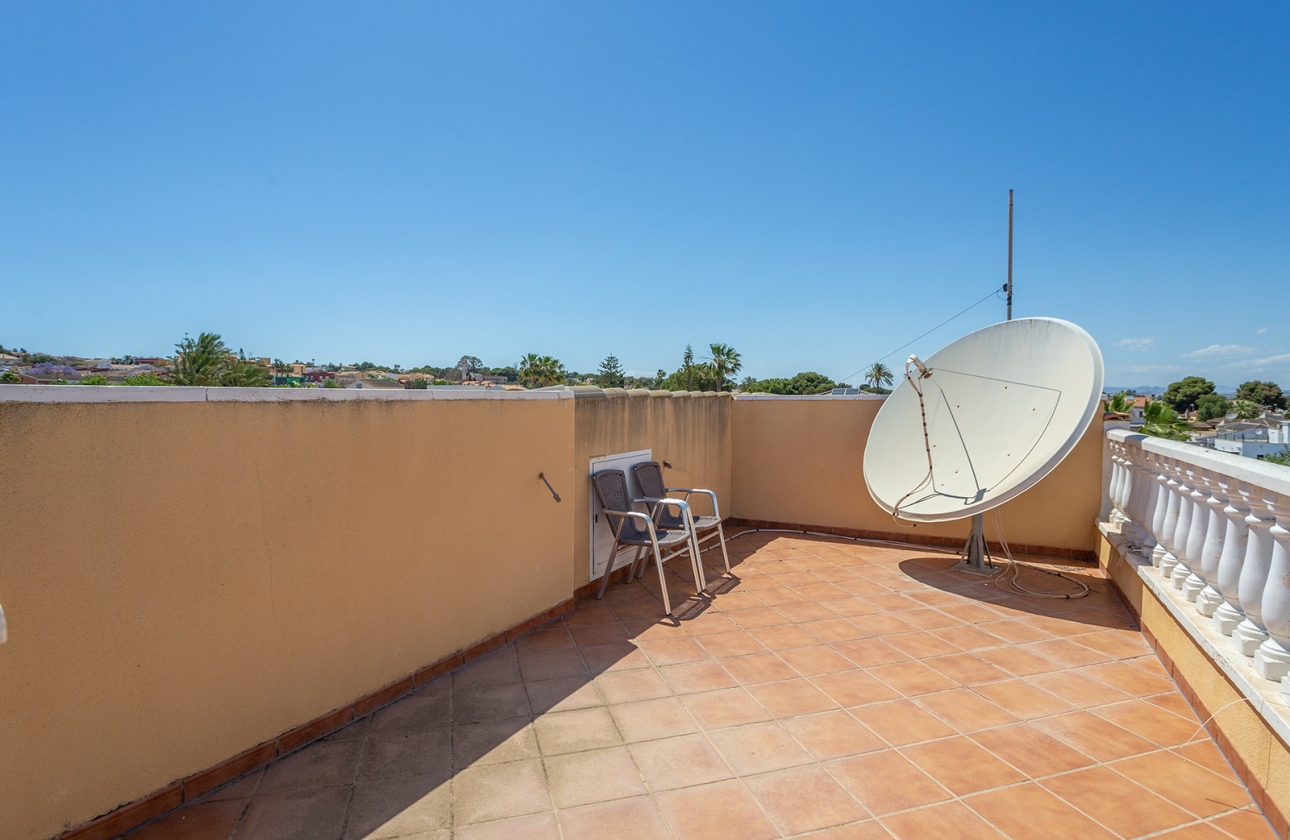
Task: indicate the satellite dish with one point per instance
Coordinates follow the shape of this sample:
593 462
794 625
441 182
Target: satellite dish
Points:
983 420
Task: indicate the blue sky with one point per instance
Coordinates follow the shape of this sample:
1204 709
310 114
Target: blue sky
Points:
813 183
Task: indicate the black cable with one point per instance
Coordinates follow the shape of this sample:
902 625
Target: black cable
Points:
994 294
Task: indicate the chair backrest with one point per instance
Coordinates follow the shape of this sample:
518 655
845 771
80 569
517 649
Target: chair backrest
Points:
649 475
611 490
650 478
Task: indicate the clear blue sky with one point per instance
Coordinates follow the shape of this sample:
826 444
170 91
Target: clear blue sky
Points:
813 183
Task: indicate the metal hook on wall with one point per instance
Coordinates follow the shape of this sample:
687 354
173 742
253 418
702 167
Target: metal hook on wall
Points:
554 494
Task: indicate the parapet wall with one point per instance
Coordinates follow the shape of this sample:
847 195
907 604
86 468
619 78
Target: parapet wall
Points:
190 573
800 460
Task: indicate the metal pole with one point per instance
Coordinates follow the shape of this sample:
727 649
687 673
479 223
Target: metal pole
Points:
1009 255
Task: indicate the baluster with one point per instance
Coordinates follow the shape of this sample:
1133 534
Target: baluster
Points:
1170 558
1182 569
1133 485
1272 659
1159 510
1251 632
1235 538
1115 485
1209 598
1146 506
1195 582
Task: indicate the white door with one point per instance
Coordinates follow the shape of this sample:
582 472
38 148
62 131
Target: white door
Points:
602 536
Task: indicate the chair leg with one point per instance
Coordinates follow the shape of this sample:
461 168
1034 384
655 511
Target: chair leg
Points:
721 535
696 562
609 567
637 555
662 580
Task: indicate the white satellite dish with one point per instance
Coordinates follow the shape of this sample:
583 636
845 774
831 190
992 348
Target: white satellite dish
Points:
982 421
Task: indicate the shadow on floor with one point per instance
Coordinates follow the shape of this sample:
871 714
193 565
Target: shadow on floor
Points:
826 684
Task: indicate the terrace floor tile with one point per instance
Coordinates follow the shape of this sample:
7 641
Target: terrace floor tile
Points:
833 690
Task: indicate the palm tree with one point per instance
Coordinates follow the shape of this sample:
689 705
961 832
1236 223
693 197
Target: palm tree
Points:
1120 403
247 374
540 371
202 361
1163 422
878 375
725 362
1245 409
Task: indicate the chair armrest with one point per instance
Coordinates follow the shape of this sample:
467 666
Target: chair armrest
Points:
716 511
630 514
680 504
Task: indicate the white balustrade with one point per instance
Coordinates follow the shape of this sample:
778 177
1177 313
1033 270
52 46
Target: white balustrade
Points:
1251 633
1217 526
1236 534
1272 659
1209 598
1166 536
1194 583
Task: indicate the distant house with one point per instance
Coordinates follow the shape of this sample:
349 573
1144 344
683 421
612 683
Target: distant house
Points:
1259 438
484 377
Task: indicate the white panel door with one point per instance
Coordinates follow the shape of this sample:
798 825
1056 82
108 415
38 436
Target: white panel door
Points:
602 536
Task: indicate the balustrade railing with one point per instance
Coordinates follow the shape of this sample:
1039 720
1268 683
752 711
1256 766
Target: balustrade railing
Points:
1217 527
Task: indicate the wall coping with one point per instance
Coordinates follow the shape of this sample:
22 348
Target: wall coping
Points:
844 397
177 394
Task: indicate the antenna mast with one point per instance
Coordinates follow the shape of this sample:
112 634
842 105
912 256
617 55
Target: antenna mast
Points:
1009 255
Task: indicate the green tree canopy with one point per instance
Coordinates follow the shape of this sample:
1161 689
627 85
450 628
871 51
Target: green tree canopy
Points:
805 383
1244 409
201 361
1181 396
1162 421
540 371
725 361
244 373
1211 406
611 373
878 376
1266 394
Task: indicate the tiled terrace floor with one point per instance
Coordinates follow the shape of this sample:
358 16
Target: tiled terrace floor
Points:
838 691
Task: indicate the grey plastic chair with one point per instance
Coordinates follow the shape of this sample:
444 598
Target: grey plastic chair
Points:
701 529
637 529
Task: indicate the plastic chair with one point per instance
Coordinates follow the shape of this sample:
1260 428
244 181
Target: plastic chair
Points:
637 529
701 529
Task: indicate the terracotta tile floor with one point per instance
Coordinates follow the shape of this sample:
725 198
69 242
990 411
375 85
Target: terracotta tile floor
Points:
835 691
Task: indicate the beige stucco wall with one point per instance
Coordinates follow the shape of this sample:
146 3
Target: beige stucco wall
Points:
801 461
690 432
184 581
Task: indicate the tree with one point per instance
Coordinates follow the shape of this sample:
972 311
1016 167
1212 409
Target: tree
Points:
1162 421
611 373
1282 457
145 379
1211 407
725 362
281 367
687 368
10 378
330 383
416 385
93 379
1267 394
244 373
878 376
1182 395
201 361
748 382
1120 403
805 383
1245 409
540 371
